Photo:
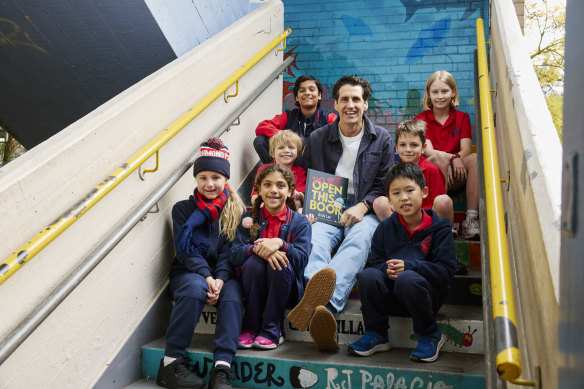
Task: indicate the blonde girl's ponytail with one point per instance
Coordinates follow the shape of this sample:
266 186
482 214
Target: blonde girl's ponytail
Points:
231 214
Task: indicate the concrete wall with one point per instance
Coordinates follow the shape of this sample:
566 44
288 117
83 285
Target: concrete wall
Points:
187 23
73 346
530 153
394 44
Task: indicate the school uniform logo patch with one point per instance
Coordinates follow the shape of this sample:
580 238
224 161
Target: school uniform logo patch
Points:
426 243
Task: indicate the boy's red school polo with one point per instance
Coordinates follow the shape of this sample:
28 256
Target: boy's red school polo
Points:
426 222
435 181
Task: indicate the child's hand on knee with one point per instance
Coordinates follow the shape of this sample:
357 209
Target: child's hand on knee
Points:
278 260
264 247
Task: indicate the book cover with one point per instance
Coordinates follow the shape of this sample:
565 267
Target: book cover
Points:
325 196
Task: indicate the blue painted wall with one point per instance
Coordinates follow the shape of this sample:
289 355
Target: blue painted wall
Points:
394 44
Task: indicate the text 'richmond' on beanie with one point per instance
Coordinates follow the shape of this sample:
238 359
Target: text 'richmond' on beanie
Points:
213 156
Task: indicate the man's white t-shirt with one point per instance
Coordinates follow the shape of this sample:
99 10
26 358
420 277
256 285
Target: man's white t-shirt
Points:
346 164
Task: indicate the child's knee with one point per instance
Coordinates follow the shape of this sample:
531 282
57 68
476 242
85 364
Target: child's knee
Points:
368 277
470 161
443 206
254 264
382 207
409 283
193 287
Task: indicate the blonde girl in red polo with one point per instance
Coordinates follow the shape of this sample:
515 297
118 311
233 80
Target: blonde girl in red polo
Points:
449 143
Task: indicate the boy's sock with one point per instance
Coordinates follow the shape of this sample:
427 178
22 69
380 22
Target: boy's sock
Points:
472 212
168 360
222 363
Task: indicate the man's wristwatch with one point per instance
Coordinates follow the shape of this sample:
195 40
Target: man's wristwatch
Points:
454 156
367 205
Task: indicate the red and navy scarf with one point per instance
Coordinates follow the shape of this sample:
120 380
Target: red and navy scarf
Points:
211 208
186 241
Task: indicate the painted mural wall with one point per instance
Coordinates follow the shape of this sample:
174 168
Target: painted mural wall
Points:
394 44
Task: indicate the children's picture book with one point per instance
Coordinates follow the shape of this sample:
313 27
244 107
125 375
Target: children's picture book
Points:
325 197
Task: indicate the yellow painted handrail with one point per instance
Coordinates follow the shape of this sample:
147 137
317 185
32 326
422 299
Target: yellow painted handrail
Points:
507 359
31 248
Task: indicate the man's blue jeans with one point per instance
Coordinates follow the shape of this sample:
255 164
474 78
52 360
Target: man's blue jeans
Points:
353 245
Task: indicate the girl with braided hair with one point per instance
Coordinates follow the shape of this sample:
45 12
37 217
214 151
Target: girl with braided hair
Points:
273 253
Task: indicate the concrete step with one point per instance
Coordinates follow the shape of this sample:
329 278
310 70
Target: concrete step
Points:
150 383
462 326
281 367
466 289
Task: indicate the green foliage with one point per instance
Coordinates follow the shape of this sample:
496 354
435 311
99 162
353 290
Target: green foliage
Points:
9 147
555 104
548 22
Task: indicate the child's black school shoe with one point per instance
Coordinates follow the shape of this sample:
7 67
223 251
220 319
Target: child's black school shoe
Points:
323 330
178 375
221 377
319 291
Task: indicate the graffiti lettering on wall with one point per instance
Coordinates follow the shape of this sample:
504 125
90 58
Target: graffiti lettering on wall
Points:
12 35
244 371
378 381
350 327
210 317
258 371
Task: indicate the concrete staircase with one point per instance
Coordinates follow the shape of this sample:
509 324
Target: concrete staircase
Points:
460 365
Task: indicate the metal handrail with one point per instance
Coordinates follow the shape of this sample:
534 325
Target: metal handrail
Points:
31 248
507 359
15 339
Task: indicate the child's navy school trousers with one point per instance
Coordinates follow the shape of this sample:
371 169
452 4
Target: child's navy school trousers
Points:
410 294
189 291
266 294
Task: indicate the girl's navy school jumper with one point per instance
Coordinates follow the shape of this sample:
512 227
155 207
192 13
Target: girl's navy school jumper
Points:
269 292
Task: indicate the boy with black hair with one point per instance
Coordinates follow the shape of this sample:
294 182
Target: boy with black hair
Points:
305 118
412 263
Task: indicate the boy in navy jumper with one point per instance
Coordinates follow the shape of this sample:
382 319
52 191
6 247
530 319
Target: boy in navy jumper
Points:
411 265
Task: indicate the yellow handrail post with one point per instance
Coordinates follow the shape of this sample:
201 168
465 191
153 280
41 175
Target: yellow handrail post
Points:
507 359
141 173
31 248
